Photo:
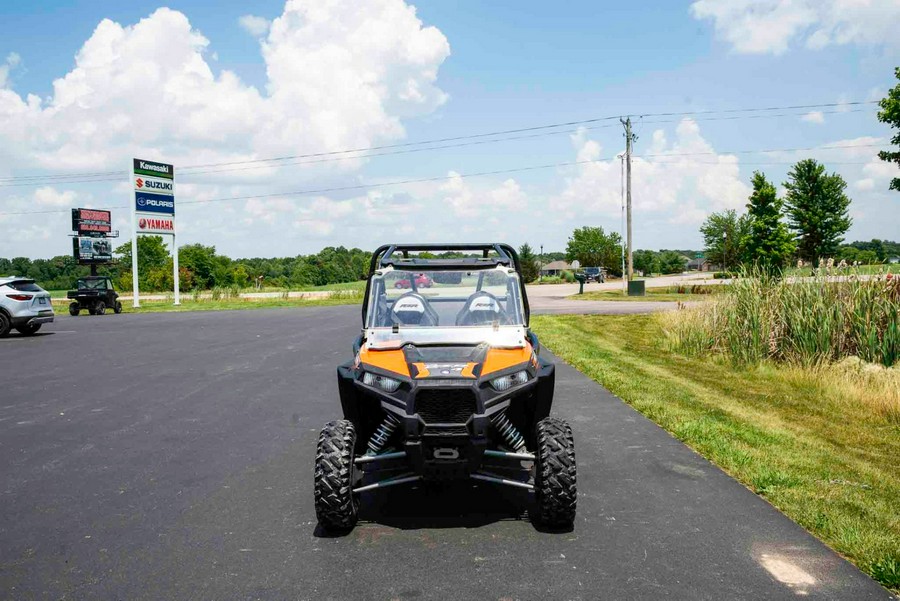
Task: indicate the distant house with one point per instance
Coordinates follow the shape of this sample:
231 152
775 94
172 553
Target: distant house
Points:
893 260
701 264
556 268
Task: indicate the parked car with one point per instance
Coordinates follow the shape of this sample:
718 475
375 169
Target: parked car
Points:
94 293
594 274
422 281
24 306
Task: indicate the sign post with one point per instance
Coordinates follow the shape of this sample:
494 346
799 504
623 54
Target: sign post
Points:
153 212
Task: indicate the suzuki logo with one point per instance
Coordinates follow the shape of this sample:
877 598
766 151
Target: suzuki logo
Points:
139 182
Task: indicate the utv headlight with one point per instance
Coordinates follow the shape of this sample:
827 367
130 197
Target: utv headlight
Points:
382 382
506 382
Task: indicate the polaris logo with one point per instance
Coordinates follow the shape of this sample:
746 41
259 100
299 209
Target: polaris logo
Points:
144 201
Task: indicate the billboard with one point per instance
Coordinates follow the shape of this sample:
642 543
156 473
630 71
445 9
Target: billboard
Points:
88 249
91 222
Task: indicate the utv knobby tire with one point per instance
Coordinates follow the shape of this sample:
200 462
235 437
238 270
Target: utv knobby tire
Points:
28 330
74 309
100 309
554 479
118 308
336 505
4 325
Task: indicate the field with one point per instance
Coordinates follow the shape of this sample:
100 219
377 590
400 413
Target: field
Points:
805 439
227 303
668 293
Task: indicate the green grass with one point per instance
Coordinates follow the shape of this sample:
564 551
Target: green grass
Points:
793 436
189 304
668 293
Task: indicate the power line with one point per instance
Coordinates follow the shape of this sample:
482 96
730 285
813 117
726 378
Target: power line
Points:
338 154
119 175
312 192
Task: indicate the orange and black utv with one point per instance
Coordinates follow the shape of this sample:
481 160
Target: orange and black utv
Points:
445 383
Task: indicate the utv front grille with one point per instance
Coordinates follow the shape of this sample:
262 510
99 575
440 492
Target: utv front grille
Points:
445 406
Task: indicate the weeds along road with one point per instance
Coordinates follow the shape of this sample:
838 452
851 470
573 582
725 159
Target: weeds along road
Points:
169 456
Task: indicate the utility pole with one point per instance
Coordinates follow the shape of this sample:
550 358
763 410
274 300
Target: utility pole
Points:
541 265
629 137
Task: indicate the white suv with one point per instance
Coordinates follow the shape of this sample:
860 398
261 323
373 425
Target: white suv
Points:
24 306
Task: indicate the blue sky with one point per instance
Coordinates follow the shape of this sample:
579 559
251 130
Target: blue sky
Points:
319 80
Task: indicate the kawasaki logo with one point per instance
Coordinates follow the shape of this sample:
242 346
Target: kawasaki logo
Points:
153 167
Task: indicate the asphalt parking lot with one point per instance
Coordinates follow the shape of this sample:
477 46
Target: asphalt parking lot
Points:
169 456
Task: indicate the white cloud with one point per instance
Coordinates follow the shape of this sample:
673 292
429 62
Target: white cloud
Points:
772 26
465 201
813 117
50 197
255 26
865 184
12 61
340 75
679 181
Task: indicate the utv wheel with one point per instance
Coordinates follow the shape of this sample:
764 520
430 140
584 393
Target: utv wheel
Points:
74 309
118 308
554 479
4 325
336 505
28 330
100 309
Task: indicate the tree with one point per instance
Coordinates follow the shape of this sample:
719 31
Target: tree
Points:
723 235
152 254
529 263
817 209
671 261
594 248
768 243
645 261
890 114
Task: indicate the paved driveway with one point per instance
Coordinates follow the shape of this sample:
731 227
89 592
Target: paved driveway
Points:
169 456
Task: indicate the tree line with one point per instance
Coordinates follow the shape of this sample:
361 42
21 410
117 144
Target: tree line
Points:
808 225
200 267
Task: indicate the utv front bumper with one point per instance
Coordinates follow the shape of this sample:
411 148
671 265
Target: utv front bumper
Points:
446 428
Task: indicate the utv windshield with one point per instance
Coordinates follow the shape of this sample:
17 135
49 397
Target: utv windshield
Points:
445 299
91 284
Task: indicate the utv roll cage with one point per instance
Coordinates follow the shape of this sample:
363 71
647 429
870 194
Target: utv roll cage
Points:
397 257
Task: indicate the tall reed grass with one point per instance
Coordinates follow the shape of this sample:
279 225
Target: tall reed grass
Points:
803 321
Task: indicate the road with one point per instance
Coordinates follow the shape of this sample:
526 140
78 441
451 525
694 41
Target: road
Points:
169 456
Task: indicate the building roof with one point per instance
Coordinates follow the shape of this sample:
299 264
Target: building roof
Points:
556 266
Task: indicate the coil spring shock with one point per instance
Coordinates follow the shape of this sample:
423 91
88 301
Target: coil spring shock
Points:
383 433
508 431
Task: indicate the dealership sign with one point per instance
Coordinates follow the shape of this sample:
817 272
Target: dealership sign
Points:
89 249
91 222
154 187
153 212
153 224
